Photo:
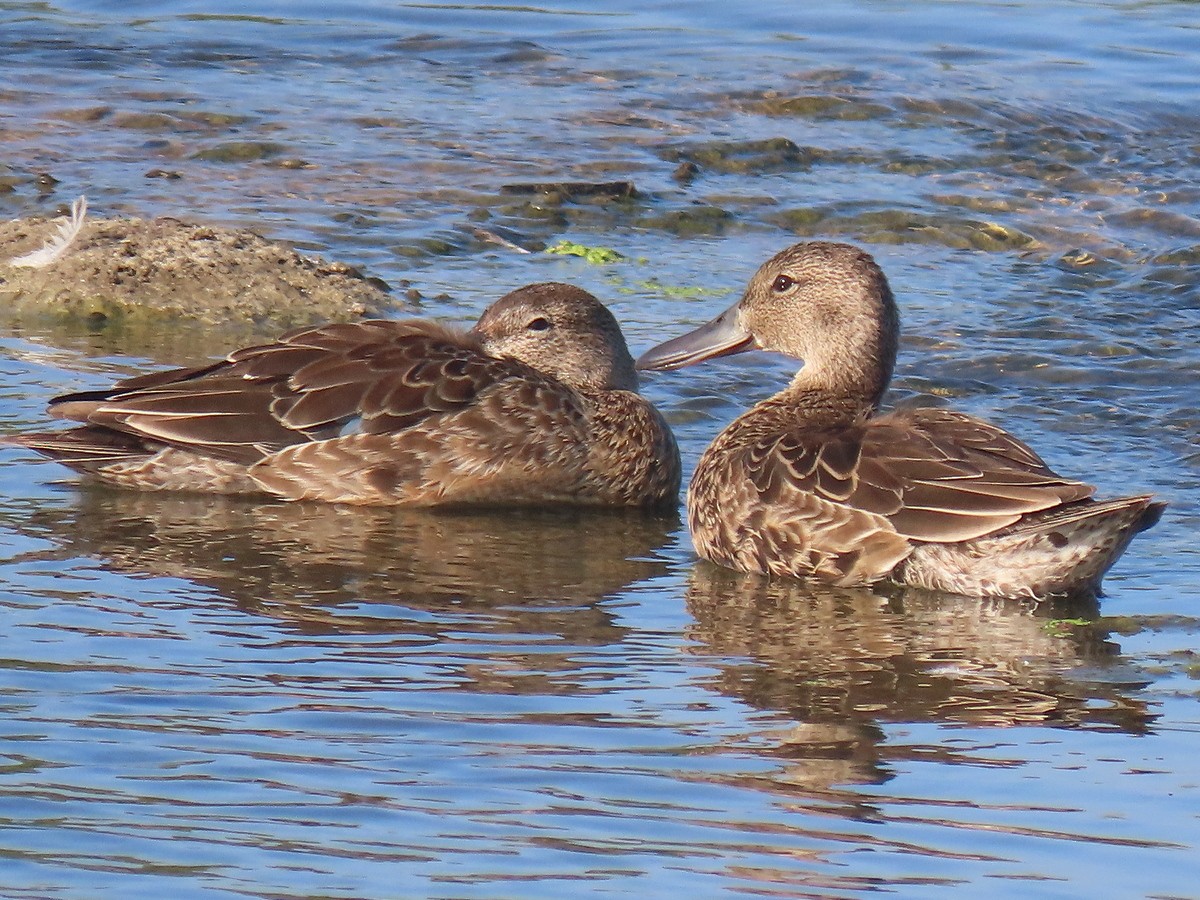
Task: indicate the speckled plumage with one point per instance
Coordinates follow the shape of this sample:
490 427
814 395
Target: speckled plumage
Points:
537 404
813 483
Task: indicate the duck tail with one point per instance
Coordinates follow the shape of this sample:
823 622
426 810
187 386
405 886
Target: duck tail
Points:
85 448
1086 537
1124 514
1064 551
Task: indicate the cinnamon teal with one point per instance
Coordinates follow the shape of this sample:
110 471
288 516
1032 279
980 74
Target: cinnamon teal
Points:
812 482
537 404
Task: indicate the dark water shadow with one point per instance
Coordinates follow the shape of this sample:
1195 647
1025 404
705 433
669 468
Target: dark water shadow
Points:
845 663
323 569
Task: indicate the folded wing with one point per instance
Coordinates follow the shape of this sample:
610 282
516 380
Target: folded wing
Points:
314 384
926 475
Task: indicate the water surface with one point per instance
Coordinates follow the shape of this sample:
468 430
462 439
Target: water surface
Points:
223 699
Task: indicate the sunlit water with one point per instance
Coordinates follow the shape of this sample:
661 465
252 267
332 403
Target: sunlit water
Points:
234 699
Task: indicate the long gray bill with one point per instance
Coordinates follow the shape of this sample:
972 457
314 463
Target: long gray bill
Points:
720 337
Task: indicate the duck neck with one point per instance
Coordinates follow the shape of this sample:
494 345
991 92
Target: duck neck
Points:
851 366
859 389
802 404
818 407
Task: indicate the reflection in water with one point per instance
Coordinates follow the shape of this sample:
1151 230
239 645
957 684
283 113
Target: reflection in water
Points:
330 569
448 679
845 662
163 739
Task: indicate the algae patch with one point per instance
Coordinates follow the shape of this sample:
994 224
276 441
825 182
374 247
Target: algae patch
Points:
595 255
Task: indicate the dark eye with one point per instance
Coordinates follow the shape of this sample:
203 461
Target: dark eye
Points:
783 283
539 324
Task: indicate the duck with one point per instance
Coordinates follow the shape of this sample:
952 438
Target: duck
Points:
536 405
816 483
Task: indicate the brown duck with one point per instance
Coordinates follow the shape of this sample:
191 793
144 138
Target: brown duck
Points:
537 404
813 483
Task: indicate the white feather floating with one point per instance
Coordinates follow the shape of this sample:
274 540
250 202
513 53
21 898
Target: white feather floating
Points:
54 248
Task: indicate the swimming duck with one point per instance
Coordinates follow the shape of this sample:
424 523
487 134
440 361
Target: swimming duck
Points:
537 404
813 482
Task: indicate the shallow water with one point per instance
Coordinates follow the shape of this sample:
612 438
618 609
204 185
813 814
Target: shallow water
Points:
236 699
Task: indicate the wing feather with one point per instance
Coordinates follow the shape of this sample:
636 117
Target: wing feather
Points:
521 440
376 376
933 475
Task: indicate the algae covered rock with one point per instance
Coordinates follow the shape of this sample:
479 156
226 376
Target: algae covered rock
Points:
135 270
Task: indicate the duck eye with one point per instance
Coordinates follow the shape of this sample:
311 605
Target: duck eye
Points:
783 283
541 323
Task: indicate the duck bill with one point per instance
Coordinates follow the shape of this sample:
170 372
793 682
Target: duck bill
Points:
723 336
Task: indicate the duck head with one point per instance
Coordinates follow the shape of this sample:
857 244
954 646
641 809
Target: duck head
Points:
561 330
827 304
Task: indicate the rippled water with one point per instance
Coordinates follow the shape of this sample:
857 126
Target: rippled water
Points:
205 698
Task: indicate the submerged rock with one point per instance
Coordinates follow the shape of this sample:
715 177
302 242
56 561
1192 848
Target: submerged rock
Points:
822 106
903 226
576 190
755 157
699 219
134 269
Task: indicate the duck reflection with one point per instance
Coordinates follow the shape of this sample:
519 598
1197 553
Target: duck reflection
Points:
846 662
330 569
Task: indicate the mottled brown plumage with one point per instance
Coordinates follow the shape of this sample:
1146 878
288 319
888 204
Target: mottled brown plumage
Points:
811 482
537 404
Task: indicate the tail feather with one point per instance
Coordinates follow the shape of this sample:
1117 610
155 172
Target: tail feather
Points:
126 461
1062 551
85 448
1133 513
1071 548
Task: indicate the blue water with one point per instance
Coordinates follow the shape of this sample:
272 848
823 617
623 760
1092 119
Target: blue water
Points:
221 699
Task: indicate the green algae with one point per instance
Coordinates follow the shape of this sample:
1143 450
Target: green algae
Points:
594 255
673 291
1065 627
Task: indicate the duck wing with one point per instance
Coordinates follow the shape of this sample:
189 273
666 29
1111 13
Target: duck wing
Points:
313 384
523 439
934 475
